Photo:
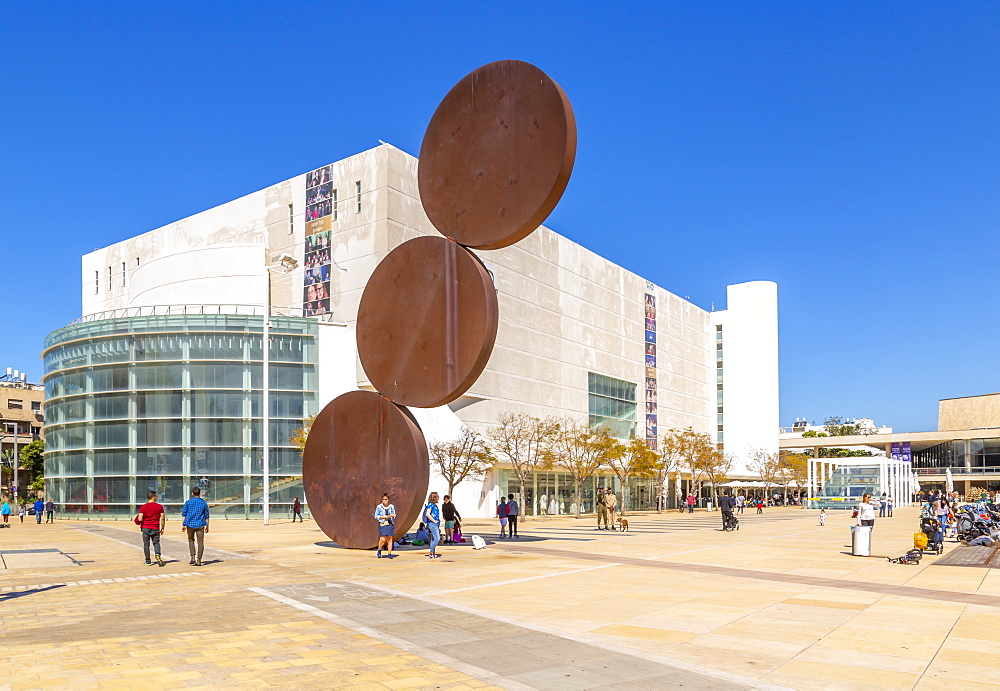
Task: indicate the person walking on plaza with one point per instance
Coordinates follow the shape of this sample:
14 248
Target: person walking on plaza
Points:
882 503
822 517
888 507
432 517
691 500
296 510
195 513
50 510
385 516
5 511
451 518
512 510
866 511
151 521
39 508
21 511
602 509
611 501
741 502
760 505
726 504
502 515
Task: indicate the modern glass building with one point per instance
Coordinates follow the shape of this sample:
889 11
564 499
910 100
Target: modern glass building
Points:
170 402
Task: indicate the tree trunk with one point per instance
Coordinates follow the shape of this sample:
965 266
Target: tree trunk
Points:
624 495
451 489
522 515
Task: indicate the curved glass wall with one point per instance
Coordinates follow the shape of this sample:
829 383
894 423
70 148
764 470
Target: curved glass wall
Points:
171 402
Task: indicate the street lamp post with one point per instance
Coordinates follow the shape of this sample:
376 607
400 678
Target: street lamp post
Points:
285 264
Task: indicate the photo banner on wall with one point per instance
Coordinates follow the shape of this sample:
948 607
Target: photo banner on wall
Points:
650 360
320 211
904 452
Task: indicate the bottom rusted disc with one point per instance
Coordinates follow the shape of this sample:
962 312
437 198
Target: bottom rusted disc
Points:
360 445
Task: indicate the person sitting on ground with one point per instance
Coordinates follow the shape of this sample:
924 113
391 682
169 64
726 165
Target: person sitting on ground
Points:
423 533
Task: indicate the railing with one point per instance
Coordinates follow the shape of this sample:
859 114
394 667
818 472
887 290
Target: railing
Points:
958 470
167 310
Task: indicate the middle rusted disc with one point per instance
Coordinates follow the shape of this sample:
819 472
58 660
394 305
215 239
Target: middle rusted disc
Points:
427 322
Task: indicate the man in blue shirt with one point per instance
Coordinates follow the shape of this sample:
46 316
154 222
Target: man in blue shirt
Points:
195 514
39 508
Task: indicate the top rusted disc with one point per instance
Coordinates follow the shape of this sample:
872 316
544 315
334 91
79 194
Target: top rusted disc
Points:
497 155
359 446
427 322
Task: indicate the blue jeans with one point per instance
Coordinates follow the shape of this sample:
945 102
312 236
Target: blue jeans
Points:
435 535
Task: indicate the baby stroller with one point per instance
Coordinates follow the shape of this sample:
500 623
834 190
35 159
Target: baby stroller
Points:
931 527
732 523
971 525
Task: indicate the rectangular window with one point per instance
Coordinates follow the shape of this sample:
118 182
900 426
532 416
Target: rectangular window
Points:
291 219
14 404
36 406
612 403
123 274
109 279
335 205
718 327
97 282
357 186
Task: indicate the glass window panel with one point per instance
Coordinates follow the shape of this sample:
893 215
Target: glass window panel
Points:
225 494
169 489
109 378
111 463
215 461
110 434
159 376
217 432
286 404
225 403
220 376
165 461
159 433
110 407
158 404
110 491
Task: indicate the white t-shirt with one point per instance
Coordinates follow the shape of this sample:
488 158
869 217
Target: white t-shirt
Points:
866 512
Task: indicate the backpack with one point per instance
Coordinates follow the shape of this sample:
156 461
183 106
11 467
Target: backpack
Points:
502 510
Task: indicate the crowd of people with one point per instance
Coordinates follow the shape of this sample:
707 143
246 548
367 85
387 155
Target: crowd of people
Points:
37 508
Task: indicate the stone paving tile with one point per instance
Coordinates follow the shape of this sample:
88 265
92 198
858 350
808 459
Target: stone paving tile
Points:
778 601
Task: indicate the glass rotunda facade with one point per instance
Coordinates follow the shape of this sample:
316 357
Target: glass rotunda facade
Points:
170 402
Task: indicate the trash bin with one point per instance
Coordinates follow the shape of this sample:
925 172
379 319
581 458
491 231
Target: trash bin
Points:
708 505
861 540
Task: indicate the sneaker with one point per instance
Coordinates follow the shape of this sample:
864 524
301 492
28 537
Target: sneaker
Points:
197 563
149 563
378 555
159 560
191 562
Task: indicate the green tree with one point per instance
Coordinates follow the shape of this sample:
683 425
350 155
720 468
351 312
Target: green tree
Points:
814 433
581 451
33 461
298 437
464 458
524 442
632 459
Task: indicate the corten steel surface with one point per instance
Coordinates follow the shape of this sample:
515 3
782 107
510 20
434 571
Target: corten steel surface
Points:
427 322
497 155
360 445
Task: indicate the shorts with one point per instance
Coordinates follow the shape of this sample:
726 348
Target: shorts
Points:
386 531
503 521
449 525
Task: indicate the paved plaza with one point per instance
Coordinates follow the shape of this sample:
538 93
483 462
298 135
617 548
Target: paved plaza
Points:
673 602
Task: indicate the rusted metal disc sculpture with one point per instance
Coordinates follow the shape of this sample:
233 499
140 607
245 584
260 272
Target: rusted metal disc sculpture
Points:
427 322
359 442
497 155
494 162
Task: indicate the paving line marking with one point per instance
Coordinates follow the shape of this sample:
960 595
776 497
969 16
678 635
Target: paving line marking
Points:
522 580
96 581
427 654
162 539
586 640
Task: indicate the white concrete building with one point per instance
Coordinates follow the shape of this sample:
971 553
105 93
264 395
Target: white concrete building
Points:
579 336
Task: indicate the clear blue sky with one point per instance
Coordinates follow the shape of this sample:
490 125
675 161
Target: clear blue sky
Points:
848 151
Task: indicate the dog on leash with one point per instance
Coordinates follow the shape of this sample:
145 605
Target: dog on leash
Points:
623 524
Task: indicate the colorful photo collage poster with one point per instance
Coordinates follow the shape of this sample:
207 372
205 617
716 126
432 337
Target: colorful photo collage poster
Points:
650 317
319 217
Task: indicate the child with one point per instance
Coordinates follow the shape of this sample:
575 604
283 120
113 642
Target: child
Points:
822 516
423 533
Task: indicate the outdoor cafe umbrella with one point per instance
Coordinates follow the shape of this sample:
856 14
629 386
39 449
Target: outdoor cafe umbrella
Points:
949 481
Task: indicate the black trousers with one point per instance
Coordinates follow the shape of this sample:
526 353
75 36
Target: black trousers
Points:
512 525
150 534
726 517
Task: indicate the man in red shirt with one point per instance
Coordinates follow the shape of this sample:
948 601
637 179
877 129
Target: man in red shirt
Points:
151 519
